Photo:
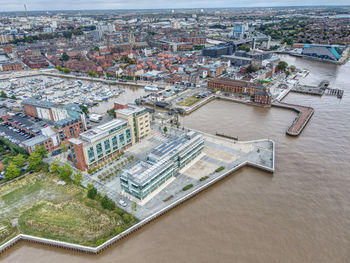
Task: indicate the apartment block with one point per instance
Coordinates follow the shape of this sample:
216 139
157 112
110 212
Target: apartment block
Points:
137 117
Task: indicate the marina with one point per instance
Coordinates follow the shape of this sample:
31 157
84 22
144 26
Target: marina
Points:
60 90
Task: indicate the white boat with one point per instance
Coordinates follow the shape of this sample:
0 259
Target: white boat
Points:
151 88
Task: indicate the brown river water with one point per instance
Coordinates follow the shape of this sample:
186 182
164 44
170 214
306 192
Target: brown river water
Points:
301 213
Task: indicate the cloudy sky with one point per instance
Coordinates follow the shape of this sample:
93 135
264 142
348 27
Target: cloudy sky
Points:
17 5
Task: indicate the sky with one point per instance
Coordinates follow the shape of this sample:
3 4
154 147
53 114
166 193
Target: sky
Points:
34 5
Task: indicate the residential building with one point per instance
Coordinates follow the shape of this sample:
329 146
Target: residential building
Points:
138 119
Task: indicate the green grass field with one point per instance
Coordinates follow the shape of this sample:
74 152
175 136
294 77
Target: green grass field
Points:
38 206
188 101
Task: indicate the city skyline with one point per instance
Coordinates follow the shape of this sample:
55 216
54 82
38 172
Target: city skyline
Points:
49 5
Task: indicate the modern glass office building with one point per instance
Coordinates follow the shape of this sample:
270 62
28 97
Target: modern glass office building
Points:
98 144
161 164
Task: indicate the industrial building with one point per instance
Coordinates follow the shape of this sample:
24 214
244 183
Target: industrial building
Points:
161 164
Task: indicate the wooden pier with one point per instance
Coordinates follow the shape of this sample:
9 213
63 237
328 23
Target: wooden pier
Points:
299 123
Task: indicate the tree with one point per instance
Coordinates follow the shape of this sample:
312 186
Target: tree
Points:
3 94
64 147
282 65
108 75
12 171
13 97
66 70
92 192
35 161
59 68
84 108
19 160
287 73
92 74
67 34
111 112
292 68
244 47
65 57
55 166
78 178
41 150
165 129
65 172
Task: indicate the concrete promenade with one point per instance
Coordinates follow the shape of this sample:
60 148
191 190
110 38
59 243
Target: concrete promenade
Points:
259 154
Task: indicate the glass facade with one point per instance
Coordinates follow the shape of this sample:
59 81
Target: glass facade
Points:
114 143
91 154
121 139
164 172
107 146
99 150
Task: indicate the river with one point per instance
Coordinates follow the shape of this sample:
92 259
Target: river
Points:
301 213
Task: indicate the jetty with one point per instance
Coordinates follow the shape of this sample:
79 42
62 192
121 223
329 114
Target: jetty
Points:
320 90
299 123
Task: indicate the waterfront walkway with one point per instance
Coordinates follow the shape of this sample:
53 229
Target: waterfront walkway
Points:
304 115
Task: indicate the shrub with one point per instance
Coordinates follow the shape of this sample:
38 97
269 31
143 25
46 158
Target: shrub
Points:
119 211
92 192
204 178
127 218
107 203
187 187
219 169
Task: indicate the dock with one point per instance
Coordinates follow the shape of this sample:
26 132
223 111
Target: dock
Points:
299 123
320 90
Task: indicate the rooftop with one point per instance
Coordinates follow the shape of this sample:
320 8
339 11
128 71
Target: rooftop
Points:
38 103
103 130
130 109
35 140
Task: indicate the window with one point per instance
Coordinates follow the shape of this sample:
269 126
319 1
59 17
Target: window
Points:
107 146
99 150
114 143
91 154
128 135
122 139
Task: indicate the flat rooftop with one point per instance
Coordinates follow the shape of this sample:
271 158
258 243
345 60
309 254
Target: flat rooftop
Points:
130 109
102 130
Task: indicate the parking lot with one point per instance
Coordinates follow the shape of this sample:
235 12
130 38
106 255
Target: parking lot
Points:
13 134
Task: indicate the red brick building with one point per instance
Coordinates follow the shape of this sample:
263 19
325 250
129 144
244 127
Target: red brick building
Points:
11 66
231 85
263 97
